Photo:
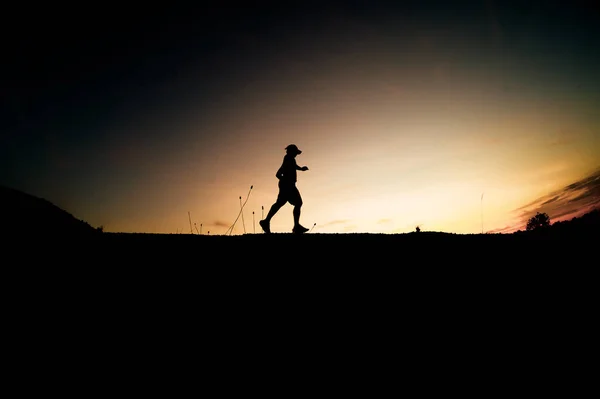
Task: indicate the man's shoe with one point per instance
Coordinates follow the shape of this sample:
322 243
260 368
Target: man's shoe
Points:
265 226
299 229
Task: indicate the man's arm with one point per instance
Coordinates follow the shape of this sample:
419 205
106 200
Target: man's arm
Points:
302 168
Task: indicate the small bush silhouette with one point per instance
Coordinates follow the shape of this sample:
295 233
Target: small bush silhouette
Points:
539 221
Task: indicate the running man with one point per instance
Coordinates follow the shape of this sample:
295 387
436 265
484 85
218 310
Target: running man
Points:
288 192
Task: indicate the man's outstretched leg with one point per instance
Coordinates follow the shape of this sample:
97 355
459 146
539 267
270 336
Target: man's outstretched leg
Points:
266 222
298 228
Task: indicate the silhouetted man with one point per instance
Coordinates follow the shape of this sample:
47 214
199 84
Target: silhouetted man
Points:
288 192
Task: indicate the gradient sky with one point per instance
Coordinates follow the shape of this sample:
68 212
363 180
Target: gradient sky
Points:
453 116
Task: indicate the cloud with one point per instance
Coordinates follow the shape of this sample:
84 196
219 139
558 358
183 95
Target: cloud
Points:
505 229
384 221
573 200
350 228
551 200
334 222
219 223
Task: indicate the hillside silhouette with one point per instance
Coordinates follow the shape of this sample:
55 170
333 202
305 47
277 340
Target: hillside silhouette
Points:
25 215
584 225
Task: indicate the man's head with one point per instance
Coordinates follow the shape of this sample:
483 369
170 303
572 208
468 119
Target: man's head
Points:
293 149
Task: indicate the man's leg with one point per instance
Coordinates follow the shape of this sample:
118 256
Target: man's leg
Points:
297 215
266 222
298 228
274 209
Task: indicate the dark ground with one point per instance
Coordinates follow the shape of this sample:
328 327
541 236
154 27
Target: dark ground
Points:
325 272
461 309
282 261
558 244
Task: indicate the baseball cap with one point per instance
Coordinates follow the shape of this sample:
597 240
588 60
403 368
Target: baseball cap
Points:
293 148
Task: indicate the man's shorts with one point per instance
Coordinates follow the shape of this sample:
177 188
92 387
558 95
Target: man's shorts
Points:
289 193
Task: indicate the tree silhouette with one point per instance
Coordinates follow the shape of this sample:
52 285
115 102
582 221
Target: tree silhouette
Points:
539 221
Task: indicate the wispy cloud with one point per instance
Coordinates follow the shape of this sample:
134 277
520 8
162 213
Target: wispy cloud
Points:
350 228
220 223
551 200
505 229
334 222
571 201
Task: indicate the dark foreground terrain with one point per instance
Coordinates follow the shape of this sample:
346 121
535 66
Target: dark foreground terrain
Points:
132 304
564 244
307 251
339 250
194 275
377 264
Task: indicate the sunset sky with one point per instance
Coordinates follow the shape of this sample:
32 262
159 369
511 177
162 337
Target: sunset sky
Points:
452 116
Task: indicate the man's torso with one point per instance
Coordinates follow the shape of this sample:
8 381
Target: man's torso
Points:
288 169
